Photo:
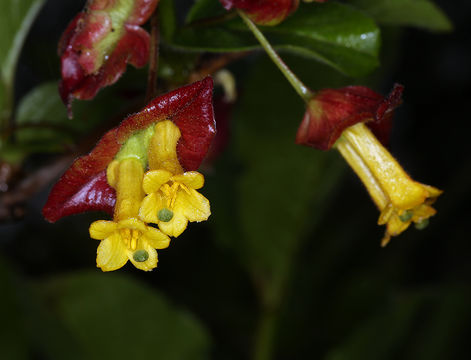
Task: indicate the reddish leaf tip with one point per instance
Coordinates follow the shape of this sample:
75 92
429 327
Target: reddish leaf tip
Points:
331 111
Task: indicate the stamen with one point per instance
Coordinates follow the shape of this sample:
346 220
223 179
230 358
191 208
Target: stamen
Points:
140 255
134 238
126 236
165 215
185 188
174 190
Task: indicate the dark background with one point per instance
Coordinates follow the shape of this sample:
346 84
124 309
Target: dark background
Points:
346 298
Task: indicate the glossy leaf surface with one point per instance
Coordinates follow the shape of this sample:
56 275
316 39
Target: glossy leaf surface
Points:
100 311
332 33
419 13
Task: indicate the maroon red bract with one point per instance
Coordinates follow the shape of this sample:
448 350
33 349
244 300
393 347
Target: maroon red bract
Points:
331 111
83 187
94 50
264 12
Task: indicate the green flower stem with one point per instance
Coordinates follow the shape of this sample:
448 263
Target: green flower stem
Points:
265 335
297 84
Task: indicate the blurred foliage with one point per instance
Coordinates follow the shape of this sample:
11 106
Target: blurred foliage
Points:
95 316
420 13
289 264
16 19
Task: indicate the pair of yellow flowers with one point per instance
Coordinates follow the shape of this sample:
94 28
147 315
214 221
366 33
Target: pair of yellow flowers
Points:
165 195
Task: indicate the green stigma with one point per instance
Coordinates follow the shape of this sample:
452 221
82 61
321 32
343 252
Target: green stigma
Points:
422 224
165 215
406 215
140 255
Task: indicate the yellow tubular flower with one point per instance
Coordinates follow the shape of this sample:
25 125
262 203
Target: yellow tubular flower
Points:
401 200
126 237
172 198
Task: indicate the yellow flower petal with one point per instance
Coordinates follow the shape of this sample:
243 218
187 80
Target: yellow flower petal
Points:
163 147
111 253
112 173
192 179
150 207
154 179
129 192
132 224
151 254
403 192
101 229
192 204
400 199
156 238
175 226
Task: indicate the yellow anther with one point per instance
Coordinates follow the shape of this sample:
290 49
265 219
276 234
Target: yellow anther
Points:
134 239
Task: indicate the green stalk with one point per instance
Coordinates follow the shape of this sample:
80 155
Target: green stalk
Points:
265 335
297 84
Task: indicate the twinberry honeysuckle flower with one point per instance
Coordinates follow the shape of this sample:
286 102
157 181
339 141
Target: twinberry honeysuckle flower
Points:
347 119
126 237
99 42
110 178
172 199
263 12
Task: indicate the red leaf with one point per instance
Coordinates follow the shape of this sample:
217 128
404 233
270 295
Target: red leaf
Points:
87 66
83 187
223 114
264 12
331 111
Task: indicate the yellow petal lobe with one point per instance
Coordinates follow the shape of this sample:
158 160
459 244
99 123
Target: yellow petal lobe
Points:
154 179
150 207
101 229
192 179
193 205
150 263
156 238
111 253
174 227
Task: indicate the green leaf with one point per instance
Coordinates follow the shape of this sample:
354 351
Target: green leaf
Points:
42 124
42 104
116 317
335 34
424 324
167 18
13 339
16 19
419 13
42 121
204 9
379 336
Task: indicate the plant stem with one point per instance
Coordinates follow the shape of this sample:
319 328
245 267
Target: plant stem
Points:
265 334
297 84
153 57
